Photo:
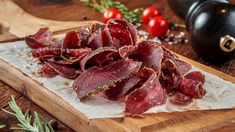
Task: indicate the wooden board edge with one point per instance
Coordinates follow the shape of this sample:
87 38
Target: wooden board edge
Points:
57 106
208 69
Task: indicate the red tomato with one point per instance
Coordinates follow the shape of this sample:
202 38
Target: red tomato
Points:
158 26
112 13
149 13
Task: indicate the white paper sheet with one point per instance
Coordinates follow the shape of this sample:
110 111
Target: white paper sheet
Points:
220 93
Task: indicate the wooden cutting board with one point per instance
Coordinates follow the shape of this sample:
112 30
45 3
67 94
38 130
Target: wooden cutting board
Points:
15 23
14 20
179 121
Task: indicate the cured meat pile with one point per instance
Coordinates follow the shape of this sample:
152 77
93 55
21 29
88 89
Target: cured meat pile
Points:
108 59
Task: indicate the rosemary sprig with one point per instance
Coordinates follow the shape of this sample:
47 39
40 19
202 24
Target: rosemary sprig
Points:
38 124
133 16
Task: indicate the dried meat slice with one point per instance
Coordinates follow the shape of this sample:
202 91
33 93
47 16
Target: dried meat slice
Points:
191 88
126 50
182 66
46 52
84 35
147 96
121 32
128 85
148 53
181 99
98 57
196 75
71 41
75 52
47 71
65 71
40 39
95 40
98 79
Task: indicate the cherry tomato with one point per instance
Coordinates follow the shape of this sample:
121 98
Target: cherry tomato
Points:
112 13
149 13
158 26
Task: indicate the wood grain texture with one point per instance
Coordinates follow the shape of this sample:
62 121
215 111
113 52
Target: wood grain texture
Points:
74 10
178 121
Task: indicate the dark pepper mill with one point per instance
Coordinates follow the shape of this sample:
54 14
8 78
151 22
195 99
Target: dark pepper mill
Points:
211 25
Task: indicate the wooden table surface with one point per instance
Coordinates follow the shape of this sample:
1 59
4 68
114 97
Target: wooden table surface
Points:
76 10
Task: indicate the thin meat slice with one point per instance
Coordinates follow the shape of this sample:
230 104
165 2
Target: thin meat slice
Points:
196 75
71 41
126 50
121 33
191 88
182 66
181 99
47 71
40 39
46 52
148 53
95 40
98 79
63 70
98 57
84 35
128 85
147 96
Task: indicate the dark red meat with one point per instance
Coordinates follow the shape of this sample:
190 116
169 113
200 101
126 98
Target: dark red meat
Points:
121 32
181 99
84 35
63 70
128 85
148 53
182 66
126 50
40 39
71 41
46 52
191 88
99 57
196 75
147 96
95 40
98 79
47 71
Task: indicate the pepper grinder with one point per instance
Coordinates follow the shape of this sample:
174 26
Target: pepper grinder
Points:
211 26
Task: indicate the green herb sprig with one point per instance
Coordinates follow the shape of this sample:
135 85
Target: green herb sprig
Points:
133 16
38 124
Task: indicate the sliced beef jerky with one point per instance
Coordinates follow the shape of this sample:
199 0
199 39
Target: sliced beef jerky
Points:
98 57
126 50
147 96
46 52
71 41
95 40
121 32
148 53
63 70
196 75
181 99
182 66
40 39
98 79
84 35
47 71
128 85
191 88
